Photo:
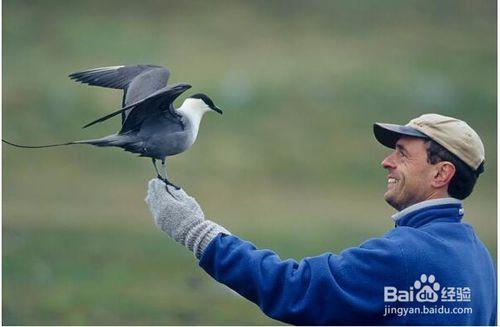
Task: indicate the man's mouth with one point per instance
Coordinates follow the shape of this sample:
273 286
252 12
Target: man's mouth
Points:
392 180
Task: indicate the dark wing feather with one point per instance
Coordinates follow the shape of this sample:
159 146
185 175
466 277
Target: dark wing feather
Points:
157 101
160 101
137 82
103 118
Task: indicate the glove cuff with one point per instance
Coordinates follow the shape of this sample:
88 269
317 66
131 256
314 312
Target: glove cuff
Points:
201 234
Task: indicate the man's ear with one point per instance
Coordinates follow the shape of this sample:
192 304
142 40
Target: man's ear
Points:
444 173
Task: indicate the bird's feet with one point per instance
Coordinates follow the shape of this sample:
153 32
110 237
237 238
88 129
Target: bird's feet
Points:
173 185
167 183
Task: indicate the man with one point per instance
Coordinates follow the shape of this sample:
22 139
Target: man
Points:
431 269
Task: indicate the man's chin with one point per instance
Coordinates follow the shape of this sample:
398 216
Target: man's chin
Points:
389 198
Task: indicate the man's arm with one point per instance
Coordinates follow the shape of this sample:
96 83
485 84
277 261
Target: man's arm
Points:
322 290
327 289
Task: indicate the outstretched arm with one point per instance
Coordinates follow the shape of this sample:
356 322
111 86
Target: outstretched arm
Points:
326 289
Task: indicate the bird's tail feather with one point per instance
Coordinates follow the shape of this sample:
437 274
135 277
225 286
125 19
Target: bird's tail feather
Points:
36 146
104 141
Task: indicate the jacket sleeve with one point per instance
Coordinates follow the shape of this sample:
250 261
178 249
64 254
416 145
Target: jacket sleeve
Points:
323 290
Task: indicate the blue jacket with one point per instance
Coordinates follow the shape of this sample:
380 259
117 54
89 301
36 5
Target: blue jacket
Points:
431 269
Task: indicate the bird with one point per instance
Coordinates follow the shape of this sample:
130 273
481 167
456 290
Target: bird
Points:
151 126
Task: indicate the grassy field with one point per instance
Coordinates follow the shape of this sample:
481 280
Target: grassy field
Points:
291 165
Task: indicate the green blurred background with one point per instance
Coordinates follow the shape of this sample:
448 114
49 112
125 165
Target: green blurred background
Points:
291 165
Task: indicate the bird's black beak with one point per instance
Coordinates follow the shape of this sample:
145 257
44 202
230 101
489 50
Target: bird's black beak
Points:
216 109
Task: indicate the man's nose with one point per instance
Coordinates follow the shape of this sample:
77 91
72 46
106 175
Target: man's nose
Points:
388 162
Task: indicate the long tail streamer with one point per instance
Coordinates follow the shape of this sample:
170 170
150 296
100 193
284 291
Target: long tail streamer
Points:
36 146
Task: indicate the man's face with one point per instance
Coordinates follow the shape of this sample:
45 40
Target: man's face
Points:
409 174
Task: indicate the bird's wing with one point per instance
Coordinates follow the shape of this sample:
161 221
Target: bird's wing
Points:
160 100
137 81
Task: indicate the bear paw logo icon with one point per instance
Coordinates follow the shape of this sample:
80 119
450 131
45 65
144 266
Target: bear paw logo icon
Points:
427 288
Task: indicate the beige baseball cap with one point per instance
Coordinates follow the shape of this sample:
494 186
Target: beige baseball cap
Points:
453 134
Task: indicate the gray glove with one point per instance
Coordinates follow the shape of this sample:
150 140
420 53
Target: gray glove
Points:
180 217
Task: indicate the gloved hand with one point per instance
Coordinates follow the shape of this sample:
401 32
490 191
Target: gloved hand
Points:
180 217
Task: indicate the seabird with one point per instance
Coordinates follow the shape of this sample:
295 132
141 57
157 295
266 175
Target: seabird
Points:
151 126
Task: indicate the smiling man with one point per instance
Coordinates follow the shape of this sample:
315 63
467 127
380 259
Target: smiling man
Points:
431 269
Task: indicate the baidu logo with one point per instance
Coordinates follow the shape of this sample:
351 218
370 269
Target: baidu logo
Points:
427 289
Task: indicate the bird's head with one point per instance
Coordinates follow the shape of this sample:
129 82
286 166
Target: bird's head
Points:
201 103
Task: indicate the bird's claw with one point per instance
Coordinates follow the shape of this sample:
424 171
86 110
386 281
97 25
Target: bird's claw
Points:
167 183
168 191
173 185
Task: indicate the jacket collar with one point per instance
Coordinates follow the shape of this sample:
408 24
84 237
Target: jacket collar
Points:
446 209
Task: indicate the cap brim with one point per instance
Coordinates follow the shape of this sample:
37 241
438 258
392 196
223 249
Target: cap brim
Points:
389 134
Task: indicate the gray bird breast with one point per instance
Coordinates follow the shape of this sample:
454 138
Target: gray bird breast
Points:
166 139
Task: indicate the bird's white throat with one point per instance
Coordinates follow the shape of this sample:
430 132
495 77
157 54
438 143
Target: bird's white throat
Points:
193 110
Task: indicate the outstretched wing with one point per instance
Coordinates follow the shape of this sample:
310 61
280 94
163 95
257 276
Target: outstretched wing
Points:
160 100
138 81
